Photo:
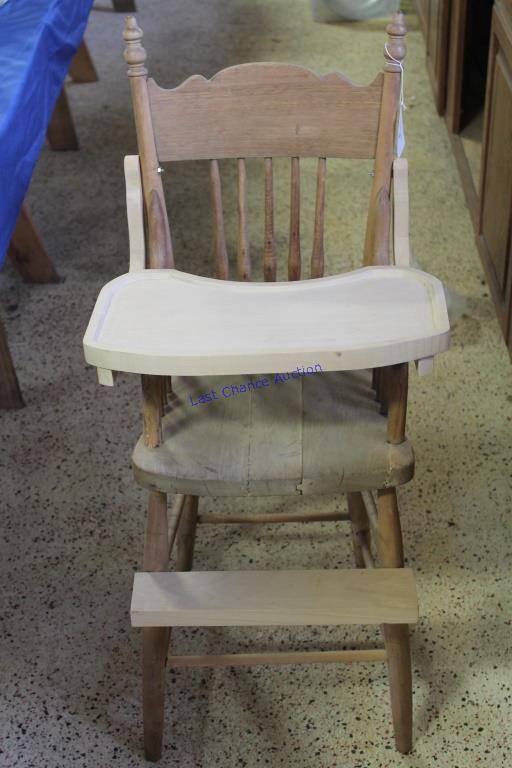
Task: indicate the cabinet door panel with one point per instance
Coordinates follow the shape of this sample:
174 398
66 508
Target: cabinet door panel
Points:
438 30
422 11
495 220
497 184
456 65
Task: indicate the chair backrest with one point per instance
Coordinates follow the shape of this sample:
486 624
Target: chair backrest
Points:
266 111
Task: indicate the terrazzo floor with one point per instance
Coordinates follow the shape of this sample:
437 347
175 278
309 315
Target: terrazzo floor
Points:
72 519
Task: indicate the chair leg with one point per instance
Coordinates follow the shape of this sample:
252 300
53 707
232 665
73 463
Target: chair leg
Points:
390 547
396 636
155 640
186 534
360 525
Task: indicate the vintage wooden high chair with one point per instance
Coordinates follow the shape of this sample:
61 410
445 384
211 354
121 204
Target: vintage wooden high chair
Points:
342 431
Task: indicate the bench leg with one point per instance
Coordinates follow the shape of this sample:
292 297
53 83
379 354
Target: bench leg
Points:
10 394
61 132
28 254
396 636
124 6
155 640
82 69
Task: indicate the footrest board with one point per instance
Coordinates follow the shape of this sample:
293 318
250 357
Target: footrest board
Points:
274 598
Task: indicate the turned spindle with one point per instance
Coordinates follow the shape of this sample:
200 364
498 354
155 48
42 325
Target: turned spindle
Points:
159 244
395 47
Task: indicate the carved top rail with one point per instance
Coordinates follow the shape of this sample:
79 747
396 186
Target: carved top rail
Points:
265 110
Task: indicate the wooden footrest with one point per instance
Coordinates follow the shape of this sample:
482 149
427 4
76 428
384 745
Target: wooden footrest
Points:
273 598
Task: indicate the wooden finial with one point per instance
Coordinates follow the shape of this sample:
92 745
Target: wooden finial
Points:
395 46
134 53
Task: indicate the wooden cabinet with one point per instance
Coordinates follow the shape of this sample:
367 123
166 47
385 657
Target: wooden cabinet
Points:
437 48
469 59
495 216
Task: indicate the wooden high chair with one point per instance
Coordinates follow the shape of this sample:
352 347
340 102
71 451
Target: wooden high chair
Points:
340 431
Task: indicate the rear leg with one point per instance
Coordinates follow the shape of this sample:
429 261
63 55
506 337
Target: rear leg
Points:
155 640
396 636
360 526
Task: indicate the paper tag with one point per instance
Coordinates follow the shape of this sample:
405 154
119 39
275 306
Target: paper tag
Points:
400 133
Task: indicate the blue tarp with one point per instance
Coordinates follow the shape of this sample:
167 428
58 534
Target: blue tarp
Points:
38 39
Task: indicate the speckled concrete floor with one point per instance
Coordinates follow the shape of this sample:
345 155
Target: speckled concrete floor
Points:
72 519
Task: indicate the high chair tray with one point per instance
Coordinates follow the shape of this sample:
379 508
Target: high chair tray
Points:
166 322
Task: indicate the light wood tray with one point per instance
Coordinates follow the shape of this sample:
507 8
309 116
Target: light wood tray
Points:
166 322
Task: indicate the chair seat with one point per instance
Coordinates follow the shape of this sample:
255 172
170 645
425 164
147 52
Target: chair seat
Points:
165 322
274 434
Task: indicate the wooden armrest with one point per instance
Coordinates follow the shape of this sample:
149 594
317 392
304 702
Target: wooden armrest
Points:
135 213
401 246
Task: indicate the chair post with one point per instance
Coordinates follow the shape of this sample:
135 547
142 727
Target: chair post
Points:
376 247
152 409
155 640
394 395
396 636
186 534
160 254
391 555
360 526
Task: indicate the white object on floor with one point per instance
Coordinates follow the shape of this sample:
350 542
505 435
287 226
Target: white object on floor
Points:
352 10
